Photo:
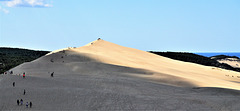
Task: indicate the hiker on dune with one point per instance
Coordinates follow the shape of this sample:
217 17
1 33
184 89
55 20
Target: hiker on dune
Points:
24 92
26 104
21 101
30 104
52 74
18 102
24 75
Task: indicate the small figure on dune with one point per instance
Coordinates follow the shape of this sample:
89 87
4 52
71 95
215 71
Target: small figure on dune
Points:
52 74
24 92
30 104
21 101
18 102
13 84
24 75
26 104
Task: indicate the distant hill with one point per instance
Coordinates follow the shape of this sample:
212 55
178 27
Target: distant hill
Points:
219 57
11 57
233 61
194 58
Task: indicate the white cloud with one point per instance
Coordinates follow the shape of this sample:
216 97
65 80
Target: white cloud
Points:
4 10
27 3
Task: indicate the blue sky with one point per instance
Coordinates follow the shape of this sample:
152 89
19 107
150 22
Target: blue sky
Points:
160 25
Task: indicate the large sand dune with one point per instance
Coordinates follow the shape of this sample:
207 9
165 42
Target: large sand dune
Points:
106 76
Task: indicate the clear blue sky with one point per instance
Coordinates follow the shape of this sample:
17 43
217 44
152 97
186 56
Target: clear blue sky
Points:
160 25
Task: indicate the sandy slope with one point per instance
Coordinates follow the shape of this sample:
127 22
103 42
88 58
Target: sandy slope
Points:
106 76
198 75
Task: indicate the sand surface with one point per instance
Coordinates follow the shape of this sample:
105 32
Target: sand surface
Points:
106 76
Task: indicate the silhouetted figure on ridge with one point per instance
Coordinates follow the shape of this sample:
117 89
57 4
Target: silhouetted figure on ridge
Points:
13 84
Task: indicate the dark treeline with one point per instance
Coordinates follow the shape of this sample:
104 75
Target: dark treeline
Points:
194 58
11 57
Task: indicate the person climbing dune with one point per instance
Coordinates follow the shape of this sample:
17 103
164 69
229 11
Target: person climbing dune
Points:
26 104
24 75
21 101
52 74
18 102
30 104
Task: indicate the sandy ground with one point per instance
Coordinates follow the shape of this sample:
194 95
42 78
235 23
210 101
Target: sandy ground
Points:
106 76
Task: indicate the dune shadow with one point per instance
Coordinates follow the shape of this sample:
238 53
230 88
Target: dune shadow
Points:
76 63
86 62
104 67
69 56
217 91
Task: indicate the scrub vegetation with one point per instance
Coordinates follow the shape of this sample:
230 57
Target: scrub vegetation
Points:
11 57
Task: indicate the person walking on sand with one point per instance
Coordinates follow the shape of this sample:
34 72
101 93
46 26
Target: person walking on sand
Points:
18 102
26 104
52 74
24 75
21 101
13 84
30 104
24 92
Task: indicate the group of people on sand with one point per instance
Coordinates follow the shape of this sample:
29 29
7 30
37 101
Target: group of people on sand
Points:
8 72
23 78
11 72
20 102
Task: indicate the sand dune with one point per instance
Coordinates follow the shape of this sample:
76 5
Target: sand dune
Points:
105 76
